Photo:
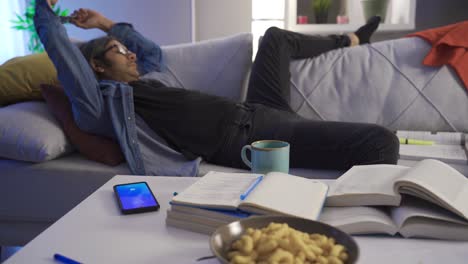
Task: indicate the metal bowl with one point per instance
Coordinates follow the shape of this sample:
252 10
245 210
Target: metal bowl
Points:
223 237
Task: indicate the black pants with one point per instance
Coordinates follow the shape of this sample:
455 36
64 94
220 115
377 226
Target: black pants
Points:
268 115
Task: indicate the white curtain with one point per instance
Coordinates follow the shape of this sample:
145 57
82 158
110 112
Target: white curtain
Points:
13 41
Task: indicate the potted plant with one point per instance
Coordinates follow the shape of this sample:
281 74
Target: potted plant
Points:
26 22
374 8
321 8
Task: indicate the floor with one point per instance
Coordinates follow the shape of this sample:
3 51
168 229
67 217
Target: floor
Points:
6 252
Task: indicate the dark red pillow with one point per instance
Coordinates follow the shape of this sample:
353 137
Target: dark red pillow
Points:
93 147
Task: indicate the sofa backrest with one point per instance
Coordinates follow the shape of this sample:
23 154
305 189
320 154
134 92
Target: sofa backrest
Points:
383 83
218 66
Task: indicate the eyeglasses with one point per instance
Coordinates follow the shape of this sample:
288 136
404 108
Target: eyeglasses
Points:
120 49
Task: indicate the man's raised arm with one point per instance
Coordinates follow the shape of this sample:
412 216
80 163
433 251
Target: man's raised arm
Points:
149 55
74 72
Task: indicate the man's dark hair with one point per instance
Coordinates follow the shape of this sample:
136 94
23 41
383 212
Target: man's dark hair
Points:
94 48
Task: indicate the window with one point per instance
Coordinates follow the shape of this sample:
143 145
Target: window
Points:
265 14
13 43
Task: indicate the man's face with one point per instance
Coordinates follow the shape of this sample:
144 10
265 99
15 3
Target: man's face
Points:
120 63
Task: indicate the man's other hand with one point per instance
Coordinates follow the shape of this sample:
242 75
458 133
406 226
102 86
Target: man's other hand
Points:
87 18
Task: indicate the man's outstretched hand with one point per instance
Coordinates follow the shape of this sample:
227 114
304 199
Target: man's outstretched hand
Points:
87 18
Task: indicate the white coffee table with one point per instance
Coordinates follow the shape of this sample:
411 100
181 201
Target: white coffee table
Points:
96 232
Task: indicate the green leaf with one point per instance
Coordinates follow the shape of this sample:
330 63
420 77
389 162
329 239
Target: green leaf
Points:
25 22
64 12
30 10
19 27
19 18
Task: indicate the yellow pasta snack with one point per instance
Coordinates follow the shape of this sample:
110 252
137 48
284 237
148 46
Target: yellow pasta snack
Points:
279 243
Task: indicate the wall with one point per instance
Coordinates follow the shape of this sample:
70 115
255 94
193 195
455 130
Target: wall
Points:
218 18
215 18
170 21
163 21
433 13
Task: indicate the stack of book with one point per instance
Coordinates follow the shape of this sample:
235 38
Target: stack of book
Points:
427 200
444 146
219 198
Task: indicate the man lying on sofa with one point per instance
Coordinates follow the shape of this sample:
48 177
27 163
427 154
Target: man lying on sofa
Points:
166 131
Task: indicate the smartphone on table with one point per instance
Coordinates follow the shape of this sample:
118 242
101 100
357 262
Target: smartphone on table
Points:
135 198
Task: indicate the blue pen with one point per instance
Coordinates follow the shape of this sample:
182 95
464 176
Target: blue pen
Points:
251 187
65 260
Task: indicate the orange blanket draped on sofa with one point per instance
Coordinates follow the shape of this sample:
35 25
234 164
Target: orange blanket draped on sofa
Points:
449 46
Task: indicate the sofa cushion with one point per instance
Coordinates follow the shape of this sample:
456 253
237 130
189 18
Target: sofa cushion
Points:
29 132
21 77
218 66
383 83
93 147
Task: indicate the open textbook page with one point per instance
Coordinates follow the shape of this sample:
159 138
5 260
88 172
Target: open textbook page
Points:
419 218
436 182
447 146
274 192
359 220
287 194
216 190
366 185
413 218
431 180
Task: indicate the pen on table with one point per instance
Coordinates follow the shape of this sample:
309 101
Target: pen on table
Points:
64 259
251 187
409 141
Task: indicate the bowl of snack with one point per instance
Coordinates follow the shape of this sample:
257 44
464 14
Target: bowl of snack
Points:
282 239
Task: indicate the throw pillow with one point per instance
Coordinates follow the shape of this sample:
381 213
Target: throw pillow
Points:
21 77
29 132
93 147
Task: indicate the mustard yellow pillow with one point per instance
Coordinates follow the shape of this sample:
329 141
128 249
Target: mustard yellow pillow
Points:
21 76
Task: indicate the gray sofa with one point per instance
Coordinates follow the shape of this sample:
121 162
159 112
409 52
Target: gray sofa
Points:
396 92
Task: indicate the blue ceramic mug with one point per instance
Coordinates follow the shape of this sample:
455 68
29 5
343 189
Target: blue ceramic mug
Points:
267 156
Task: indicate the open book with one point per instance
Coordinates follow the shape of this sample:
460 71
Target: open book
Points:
413 218
274 193
446 146
430 180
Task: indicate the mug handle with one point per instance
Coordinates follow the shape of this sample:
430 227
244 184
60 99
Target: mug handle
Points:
244 155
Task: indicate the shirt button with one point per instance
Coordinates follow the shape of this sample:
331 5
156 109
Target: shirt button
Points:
129 118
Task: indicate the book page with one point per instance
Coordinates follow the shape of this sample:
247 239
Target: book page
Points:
190 218
216 190
433 228
359 220
447 153
439 183
366 185
439 138
287 194
419 218
414 207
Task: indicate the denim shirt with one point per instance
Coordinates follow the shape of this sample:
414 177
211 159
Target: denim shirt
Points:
106 107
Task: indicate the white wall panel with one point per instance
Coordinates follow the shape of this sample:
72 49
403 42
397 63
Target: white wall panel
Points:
218 18
163 21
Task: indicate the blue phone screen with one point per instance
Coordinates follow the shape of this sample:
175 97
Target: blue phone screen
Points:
135 195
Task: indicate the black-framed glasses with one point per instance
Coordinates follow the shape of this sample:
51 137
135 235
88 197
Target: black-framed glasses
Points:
120 49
